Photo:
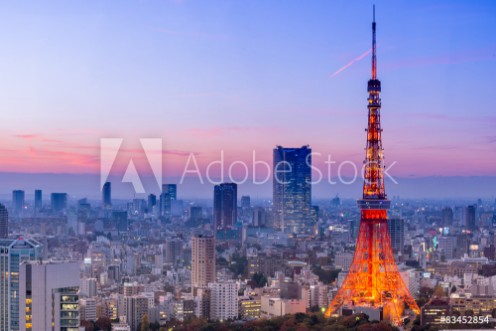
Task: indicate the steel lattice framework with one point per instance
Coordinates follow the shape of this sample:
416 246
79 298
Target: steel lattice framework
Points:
373 279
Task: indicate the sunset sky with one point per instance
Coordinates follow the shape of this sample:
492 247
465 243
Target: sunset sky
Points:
243 76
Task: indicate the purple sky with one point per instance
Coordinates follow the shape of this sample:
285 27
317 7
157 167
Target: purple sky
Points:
243 77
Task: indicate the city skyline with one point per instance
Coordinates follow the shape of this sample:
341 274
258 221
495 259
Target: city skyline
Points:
182 165
309 78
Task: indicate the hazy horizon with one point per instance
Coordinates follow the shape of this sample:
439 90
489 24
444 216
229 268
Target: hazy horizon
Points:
87 185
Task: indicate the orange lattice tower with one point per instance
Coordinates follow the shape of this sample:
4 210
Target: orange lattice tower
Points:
373 279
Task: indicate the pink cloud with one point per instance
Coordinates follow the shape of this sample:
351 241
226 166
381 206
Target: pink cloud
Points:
37 137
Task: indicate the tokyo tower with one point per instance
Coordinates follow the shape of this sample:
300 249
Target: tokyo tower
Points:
373 279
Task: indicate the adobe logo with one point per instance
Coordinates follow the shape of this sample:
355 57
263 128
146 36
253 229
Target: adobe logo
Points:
110 148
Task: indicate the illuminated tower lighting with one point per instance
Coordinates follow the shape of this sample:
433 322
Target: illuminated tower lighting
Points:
373 279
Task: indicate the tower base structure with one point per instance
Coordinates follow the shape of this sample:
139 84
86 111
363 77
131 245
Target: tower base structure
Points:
373 279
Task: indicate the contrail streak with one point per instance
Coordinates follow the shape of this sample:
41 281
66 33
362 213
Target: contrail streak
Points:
349 64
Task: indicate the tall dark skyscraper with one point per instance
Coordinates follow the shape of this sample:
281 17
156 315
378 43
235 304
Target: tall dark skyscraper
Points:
396 228
447 216
18 200
121 221
4 222
169 193
470 217
170 189
292 190
107 195
152 201
38 200
58 201
225 205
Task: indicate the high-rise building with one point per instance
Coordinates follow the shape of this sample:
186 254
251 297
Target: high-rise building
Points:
18 202
58 201
12 254
202 302
4 222
462 245
259 217
195 215
170 189
87 307
152 202
447 246
48 294
38 200
225 205
396 227
223 301
470 217
292 190
133 308
447 217
173 250
107 195
88 287
169 194
246 212
202 260
121 221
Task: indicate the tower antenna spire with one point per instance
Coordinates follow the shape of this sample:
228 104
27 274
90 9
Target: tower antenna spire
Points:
374 59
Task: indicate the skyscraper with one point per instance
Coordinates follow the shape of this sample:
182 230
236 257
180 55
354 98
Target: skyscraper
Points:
134 308
203 269
173 250
4 222
169 194
225 205
12 254
48 294
107 195
88 287
170 189
470 217
396 227
18 202
259 217
58 201
292 190
120 219
447 217
152 202
38 200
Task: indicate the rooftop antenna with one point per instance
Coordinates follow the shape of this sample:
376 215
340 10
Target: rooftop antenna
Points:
374 60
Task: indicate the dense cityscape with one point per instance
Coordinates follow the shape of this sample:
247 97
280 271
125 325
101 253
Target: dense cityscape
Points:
237 261
165 260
